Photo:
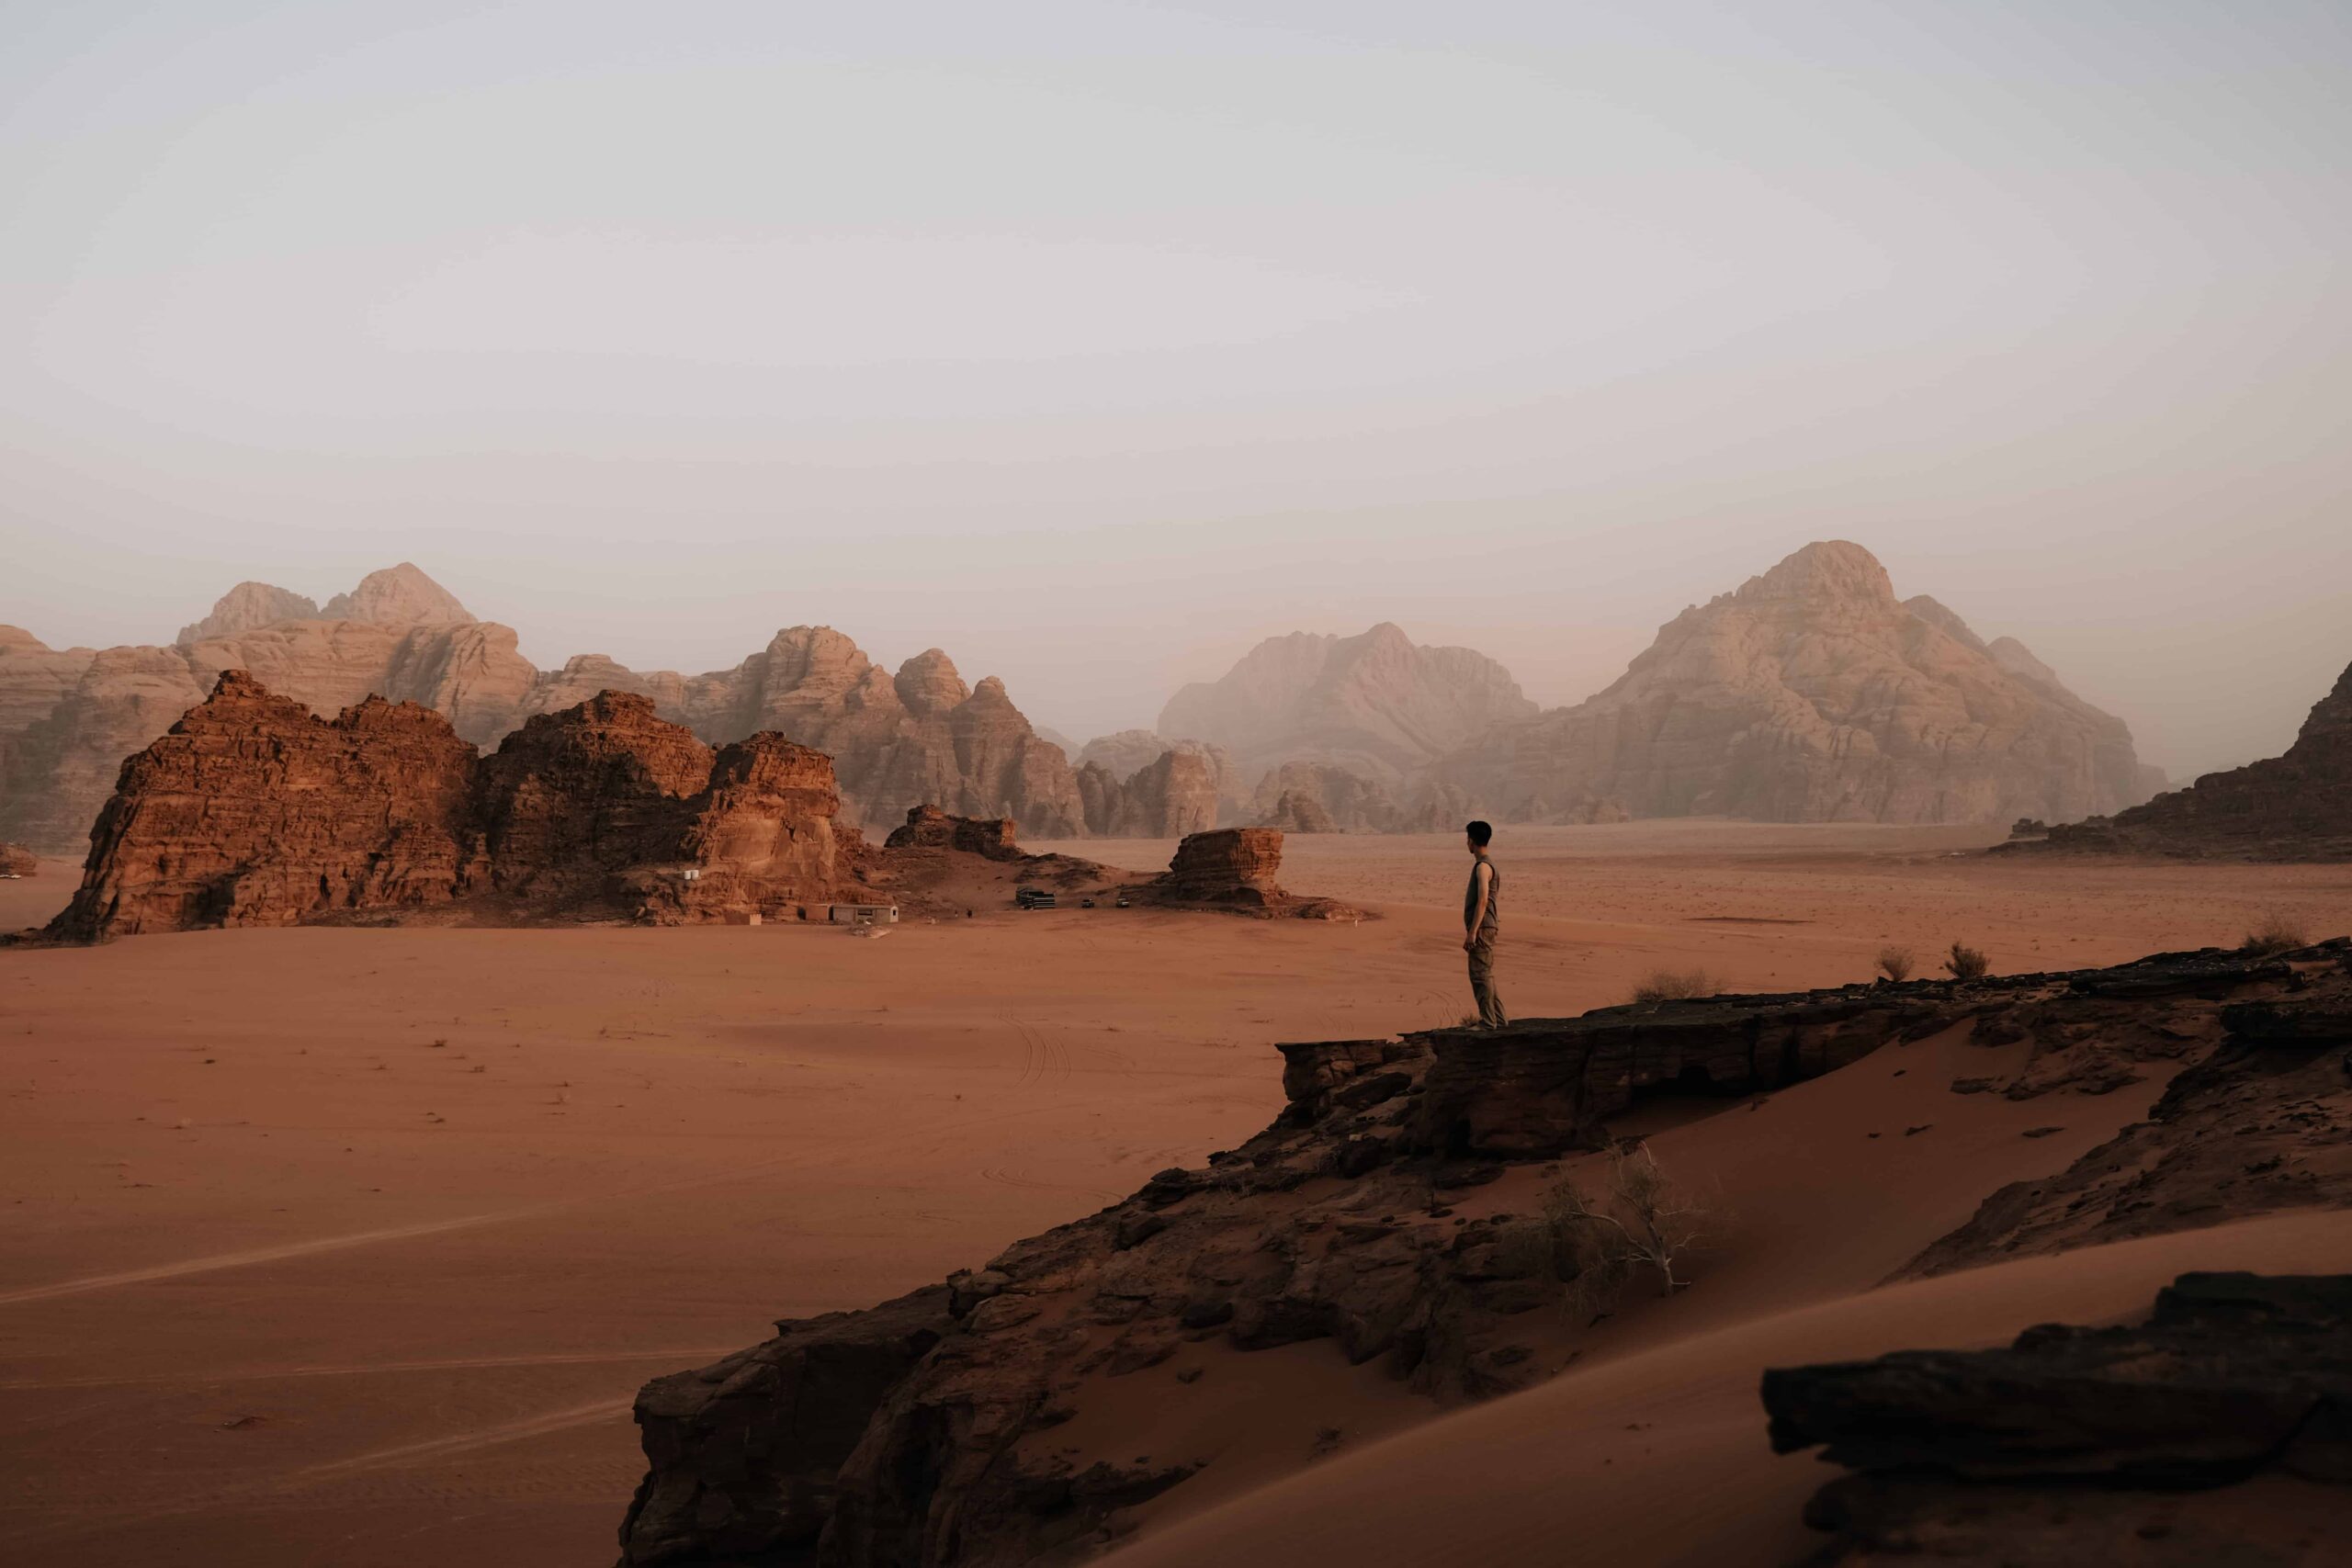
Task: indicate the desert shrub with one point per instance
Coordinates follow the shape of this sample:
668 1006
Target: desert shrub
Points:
1641 1220
2276 933
1967 962
1896 962
1674 986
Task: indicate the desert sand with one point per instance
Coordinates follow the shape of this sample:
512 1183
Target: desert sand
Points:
350 1246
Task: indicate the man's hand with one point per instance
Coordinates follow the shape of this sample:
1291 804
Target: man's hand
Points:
1470 942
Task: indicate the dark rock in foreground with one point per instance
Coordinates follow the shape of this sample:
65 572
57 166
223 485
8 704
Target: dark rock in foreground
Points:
2235 1376
2294 806
1332 1225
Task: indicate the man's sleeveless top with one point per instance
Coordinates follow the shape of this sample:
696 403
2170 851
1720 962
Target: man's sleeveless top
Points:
1493 922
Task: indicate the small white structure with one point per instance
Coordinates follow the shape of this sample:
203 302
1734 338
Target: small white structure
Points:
862 914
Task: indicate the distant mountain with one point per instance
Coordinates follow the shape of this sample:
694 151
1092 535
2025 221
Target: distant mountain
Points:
1813 695
68 718
1377 704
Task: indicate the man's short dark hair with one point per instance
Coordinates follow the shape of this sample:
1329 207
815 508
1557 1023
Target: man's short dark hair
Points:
1480 833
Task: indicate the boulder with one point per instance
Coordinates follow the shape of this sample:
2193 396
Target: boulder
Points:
1230 864
17 861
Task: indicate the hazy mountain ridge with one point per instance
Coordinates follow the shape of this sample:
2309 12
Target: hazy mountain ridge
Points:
69 718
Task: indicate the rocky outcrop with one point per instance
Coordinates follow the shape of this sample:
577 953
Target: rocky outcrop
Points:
1812 695
252 811
1346 802
1376 704
68 720
2049 1452
17 861
2296 807
915 1436
1235 865
928 828
573 798
2261 1122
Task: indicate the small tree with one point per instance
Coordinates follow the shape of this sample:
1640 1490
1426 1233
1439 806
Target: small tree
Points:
2277 933
1643 1219
1896 963
1674 986
1967 962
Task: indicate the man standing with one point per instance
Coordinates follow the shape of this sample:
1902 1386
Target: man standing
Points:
1481 921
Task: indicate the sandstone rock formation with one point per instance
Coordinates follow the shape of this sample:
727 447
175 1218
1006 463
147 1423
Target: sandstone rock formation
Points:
1182 790
2295 807
929 827
573 798
252 811
1228 866
1376 703
17 861
1345 802
915 1435
1812 695
1122 754
68 720
1293 812
397 596
2049 1451
246 607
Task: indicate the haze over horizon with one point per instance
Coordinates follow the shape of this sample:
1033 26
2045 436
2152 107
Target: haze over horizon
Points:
1095 344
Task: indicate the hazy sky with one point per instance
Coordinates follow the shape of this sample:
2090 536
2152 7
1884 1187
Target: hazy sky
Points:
1093 342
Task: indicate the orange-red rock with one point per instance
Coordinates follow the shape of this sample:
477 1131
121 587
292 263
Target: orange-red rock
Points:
252 811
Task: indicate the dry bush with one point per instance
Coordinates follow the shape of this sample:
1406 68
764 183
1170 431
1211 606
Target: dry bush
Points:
1643 1219
1675 985
1896 962
1967 962
2277 933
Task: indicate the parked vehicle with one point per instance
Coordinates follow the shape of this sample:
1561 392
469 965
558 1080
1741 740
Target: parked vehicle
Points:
1034 898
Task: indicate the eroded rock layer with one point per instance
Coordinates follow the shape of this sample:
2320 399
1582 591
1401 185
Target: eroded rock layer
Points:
2095 1445
912 1436
252 811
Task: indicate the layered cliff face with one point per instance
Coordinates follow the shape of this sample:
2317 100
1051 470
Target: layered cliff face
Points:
1813 695
572 797
1377 704
252 811
1182 789
2295 807
1343 802
398 635
68 720
922 1433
